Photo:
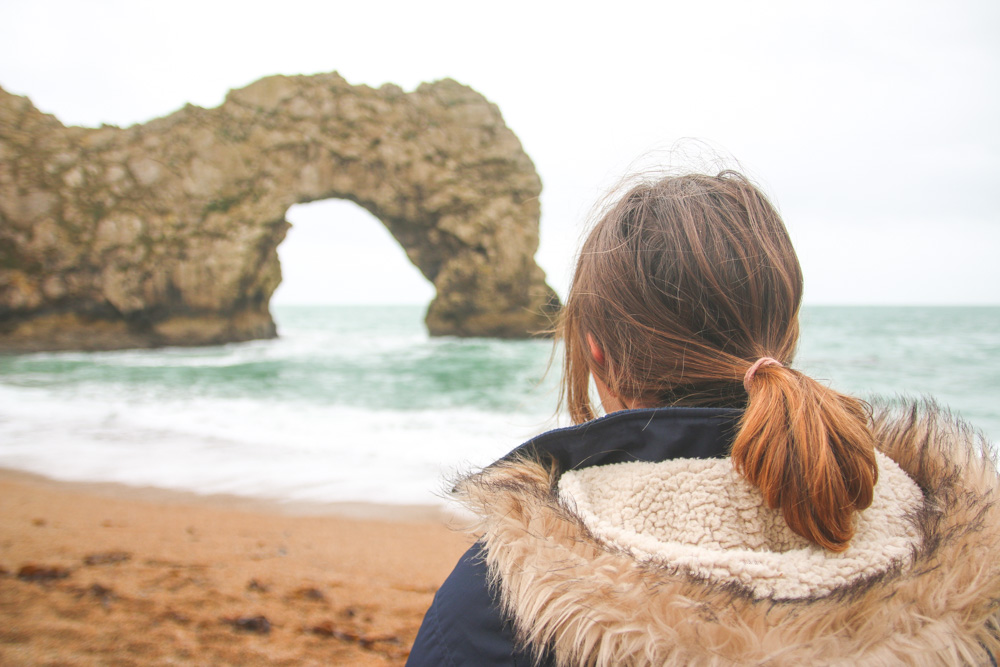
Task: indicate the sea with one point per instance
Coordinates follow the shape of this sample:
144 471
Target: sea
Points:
358 404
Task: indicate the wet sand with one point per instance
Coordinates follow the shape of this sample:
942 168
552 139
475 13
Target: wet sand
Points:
101 574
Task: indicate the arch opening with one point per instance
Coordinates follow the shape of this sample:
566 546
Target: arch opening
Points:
337 253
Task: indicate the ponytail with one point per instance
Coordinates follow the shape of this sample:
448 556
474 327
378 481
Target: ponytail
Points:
810 451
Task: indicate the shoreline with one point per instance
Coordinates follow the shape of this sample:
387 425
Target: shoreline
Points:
294 508
101 573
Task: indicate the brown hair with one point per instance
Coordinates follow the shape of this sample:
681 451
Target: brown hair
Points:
683 284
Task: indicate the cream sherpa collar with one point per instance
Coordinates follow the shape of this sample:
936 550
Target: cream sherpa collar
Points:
703 517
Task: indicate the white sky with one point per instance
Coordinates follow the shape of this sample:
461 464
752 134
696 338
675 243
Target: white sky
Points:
874 125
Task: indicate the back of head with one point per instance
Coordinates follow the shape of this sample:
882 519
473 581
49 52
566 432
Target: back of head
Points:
684 284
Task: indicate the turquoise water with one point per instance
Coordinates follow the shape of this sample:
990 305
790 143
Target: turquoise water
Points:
949 353
358 403
365 357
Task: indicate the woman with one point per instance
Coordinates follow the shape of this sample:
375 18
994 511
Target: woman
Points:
728 509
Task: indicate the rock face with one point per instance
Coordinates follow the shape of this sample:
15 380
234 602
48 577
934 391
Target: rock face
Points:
166 233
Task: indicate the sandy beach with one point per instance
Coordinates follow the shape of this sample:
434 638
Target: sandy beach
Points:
101 574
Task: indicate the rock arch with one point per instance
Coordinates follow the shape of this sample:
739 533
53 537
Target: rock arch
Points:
166 233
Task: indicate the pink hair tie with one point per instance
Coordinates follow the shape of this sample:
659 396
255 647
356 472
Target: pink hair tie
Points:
760 363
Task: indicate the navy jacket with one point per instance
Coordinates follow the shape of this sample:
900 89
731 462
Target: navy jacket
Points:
465 625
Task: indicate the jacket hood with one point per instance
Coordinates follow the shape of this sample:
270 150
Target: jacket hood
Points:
703 517
589 598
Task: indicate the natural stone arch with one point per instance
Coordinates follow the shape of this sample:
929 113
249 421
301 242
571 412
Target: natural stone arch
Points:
166 233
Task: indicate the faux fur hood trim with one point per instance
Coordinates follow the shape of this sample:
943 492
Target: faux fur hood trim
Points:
593 604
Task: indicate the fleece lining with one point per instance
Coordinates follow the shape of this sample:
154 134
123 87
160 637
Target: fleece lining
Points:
702 517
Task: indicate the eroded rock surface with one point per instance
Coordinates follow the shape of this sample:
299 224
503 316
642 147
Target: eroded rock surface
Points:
166 233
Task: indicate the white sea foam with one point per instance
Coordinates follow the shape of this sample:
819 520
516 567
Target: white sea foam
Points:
247 447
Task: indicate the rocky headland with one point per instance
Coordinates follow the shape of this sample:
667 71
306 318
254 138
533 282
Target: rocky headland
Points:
166 233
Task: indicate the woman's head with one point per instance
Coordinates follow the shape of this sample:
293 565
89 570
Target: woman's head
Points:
683 284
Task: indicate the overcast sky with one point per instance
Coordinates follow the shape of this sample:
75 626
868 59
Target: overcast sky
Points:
875 126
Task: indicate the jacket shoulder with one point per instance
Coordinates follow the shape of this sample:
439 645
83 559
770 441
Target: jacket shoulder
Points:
465 624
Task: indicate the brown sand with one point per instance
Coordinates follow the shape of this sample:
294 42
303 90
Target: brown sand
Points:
107 575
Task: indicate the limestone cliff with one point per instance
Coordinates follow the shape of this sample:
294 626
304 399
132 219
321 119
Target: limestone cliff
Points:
166 233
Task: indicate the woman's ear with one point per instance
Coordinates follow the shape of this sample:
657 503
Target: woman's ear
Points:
595 350
609 400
